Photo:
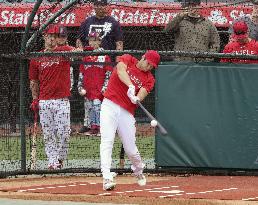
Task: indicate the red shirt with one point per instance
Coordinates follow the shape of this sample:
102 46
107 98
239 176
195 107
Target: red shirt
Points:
250 48
117 90
94 76
53 74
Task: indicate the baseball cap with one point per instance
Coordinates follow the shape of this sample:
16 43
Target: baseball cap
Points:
100 2
240 29
51 29
62 31
152 57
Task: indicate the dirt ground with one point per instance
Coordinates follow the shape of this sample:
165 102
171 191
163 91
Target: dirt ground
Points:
27 181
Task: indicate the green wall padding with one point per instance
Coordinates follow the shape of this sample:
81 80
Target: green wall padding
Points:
211 114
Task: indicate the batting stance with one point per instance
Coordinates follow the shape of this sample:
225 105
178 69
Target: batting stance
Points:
130 81
50 86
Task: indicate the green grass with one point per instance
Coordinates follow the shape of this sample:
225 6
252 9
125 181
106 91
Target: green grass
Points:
80 147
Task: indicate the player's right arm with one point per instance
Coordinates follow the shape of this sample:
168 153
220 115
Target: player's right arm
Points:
122 74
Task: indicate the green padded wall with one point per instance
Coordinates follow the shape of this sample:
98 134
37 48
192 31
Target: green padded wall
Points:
211 114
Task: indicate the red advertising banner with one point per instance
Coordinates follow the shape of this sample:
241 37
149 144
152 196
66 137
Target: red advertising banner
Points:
128 15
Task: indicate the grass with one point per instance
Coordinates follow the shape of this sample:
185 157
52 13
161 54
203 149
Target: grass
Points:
80 147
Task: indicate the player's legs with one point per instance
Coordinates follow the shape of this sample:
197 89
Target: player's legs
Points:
95 121
62 122
96 112
46 114
126 131
108 125
87 106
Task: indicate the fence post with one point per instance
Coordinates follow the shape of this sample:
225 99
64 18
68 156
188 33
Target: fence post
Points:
23 63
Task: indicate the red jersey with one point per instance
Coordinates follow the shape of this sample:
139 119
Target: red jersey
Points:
94 75
250 48
117 90
53 74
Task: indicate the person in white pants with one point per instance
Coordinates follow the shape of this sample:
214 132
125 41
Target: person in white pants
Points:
130 82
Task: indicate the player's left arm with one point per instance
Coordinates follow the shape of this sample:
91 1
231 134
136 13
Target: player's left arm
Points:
142 93
146 88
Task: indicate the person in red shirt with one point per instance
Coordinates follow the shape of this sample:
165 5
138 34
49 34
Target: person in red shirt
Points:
241 44
50 87
93 80
130 82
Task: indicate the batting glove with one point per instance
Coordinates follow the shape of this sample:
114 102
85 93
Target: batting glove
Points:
134 99
131 91
35 105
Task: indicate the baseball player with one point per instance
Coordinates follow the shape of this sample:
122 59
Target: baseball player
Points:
130 82
93 80
50 86
242 44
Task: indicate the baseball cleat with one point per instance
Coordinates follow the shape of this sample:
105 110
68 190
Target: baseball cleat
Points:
141 180
108 185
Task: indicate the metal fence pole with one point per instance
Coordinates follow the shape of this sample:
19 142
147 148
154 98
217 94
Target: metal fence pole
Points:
23 64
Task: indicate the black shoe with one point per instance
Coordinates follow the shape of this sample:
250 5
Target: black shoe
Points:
84 129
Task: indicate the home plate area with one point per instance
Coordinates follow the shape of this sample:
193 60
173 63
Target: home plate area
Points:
194 187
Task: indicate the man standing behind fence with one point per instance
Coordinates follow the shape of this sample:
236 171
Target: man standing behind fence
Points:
193 32
241 44
50 87
111 36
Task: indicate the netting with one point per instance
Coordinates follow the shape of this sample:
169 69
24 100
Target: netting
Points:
143 29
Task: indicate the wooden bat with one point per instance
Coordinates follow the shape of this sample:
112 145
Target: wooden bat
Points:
34 143
162 130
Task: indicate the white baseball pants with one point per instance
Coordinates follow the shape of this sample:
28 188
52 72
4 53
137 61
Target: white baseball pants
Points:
112 118
55 122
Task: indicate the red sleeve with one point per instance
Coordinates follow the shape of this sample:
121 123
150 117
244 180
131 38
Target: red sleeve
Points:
127 59
108 67
227 49
149 84
34 70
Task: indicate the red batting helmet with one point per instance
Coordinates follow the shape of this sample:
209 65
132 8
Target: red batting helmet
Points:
152 57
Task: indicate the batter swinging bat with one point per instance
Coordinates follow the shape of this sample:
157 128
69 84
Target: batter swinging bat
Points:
34 143
162 130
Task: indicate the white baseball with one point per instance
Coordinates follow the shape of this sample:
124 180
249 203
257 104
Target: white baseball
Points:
153 123
83 92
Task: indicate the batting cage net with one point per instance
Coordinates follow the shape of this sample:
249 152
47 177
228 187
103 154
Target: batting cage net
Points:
142 23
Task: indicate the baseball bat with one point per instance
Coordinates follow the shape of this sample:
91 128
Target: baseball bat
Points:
162 130
34 143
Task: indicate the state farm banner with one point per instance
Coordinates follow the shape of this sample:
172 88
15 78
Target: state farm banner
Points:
127 15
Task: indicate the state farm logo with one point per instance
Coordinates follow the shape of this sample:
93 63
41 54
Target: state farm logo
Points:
12 17
153 16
